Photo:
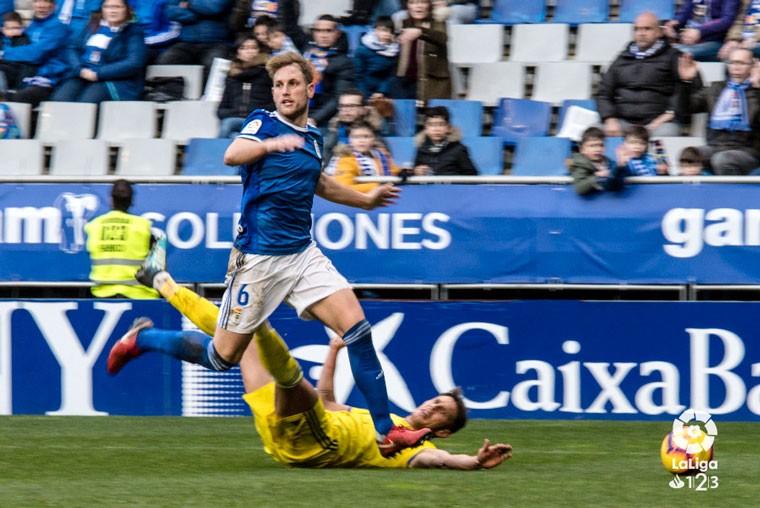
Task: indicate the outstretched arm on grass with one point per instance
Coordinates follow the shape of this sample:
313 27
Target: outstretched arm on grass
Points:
489 456
325 385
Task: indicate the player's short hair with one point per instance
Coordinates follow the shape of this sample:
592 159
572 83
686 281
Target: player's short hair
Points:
13 17
690 155
592 134
290 58
637 132
437 112
460 420
384 22
121 195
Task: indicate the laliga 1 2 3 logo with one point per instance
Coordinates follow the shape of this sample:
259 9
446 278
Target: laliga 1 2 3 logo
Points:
688 450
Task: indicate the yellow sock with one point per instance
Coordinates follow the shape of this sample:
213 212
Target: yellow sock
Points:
276 358
200 311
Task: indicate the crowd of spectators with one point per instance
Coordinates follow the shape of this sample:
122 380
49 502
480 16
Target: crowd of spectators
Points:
98 50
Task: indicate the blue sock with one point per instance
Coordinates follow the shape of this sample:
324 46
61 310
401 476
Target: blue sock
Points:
190 346
368 374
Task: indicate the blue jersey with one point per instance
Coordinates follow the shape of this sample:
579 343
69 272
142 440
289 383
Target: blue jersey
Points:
278 189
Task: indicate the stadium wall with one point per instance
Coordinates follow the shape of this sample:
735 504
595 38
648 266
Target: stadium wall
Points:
520 359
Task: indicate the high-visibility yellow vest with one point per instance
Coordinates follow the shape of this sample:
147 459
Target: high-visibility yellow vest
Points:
118 242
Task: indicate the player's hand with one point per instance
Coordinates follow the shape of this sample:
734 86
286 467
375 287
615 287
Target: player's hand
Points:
492 455
336 342
285 143
382 195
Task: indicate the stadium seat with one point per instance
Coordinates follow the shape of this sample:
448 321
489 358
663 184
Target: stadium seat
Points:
80 157
126 120
146 157
558 81
21 157
466 115
601 43
575 12
520 118
403 150
470 44
487 153
310 11
190 119
541 156
610 145
512 12
206 157
582 103
539 43
490 82
712 72
699 125
405 116
629 9
354 35
60 121
22 112
673 147
193 75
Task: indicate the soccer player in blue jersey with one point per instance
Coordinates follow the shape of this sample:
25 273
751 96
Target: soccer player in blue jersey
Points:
274 258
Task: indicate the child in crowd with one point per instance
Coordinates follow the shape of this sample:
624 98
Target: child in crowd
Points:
690 163
13 74
376 57
591 170
634 155
361 157
247 87
278 41
439 151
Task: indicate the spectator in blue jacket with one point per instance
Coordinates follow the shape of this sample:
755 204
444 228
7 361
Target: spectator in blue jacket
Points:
376 58
108 63
205 32
76 14
160 32
701 26
46 50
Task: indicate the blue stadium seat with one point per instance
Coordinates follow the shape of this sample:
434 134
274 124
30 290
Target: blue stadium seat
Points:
205 157
466 115
487 153
575 12
405 116
541 156
403 150
629 9
512 12
520 118
354 35
581 103
610 145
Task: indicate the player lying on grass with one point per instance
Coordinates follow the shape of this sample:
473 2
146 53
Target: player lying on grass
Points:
304 428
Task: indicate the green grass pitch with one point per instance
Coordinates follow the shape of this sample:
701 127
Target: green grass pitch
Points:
205 462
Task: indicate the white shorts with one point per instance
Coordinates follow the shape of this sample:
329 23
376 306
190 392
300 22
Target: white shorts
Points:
257 284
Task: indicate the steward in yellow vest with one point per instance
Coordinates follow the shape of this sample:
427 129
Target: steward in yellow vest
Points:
118 242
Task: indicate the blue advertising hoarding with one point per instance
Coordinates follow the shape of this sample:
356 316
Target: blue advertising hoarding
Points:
531 359
657 233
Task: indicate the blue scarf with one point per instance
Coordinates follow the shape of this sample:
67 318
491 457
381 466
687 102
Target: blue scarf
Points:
97 43
730 112
751 19
368 164
701 13
320 58
640 55
646 165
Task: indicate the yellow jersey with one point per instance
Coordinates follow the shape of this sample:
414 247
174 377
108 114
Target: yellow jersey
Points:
322 438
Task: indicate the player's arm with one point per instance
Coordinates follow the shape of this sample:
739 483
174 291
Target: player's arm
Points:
248 150
330 189
489 456
326 379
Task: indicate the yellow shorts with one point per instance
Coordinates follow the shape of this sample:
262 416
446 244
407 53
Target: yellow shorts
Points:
298 440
